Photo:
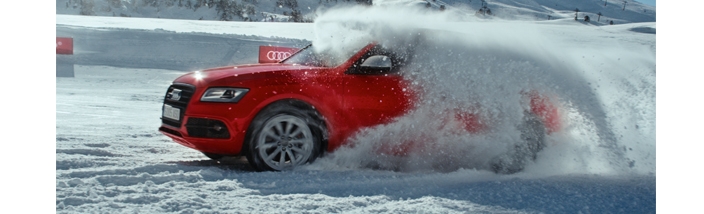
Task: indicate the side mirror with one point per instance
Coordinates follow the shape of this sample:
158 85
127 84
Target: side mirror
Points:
377 64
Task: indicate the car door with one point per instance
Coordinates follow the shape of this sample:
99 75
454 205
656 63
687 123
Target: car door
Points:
374 90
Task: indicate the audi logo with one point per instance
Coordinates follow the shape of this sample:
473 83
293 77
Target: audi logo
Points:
277 55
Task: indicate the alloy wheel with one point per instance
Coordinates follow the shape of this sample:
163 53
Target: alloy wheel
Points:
284 142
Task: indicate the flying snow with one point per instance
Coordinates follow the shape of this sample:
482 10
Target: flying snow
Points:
485 68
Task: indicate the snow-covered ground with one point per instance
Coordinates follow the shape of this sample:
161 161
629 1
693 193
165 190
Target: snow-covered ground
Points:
111 159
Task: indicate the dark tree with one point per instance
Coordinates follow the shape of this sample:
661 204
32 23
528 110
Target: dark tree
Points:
228 9
296 16
250 10
223 8
292 4
196 5
87 7
115 3
364 2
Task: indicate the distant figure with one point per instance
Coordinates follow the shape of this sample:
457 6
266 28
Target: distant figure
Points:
427 5
611 22
488 11
442 7
586 18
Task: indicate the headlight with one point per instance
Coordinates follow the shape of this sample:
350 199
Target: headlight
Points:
226 95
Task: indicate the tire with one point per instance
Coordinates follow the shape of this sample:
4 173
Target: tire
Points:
284 135
533 141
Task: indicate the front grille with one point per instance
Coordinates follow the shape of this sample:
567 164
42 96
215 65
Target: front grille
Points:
207 128
181 104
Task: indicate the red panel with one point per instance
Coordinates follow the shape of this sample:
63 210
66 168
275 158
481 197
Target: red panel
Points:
269 54
64 45
546 110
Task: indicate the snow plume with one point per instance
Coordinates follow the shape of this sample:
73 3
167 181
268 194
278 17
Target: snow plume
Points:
484 68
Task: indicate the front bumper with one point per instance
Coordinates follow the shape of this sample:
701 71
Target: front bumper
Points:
204 138
207 127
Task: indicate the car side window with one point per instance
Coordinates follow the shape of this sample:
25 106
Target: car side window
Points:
373 65
379 61
376 62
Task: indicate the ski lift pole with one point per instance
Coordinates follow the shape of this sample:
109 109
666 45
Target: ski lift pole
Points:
624 5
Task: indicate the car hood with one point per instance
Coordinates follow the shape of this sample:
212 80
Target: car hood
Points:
240 72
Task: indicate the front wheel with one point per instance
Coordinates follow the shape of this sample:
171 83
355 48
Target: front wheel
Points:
283 137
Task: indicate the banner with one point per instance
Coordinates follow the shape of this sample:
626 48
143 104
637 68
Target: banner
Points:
269 54
64 45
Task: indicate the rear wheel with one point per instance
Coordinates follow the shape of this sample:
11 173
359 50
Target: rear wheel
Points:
283 136
533 141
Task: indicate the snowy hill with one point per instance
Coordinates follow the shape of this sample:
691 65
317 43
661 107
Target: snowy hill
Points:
618 11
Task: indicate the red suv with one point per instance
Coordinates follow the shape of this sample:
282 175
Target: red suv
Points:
281 115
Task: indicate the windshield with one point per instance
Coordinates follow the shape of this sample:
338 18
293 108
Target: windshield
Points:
309 56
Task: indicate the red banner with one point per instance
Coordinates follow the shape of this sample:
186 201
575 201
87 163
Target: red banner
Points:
64 45
268 54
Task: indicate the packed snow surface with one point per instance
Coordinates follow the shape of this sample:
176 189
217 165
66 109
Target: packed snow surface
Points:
111 158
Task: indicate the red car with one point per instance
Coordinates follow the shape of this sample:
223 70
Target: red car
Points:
282 115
